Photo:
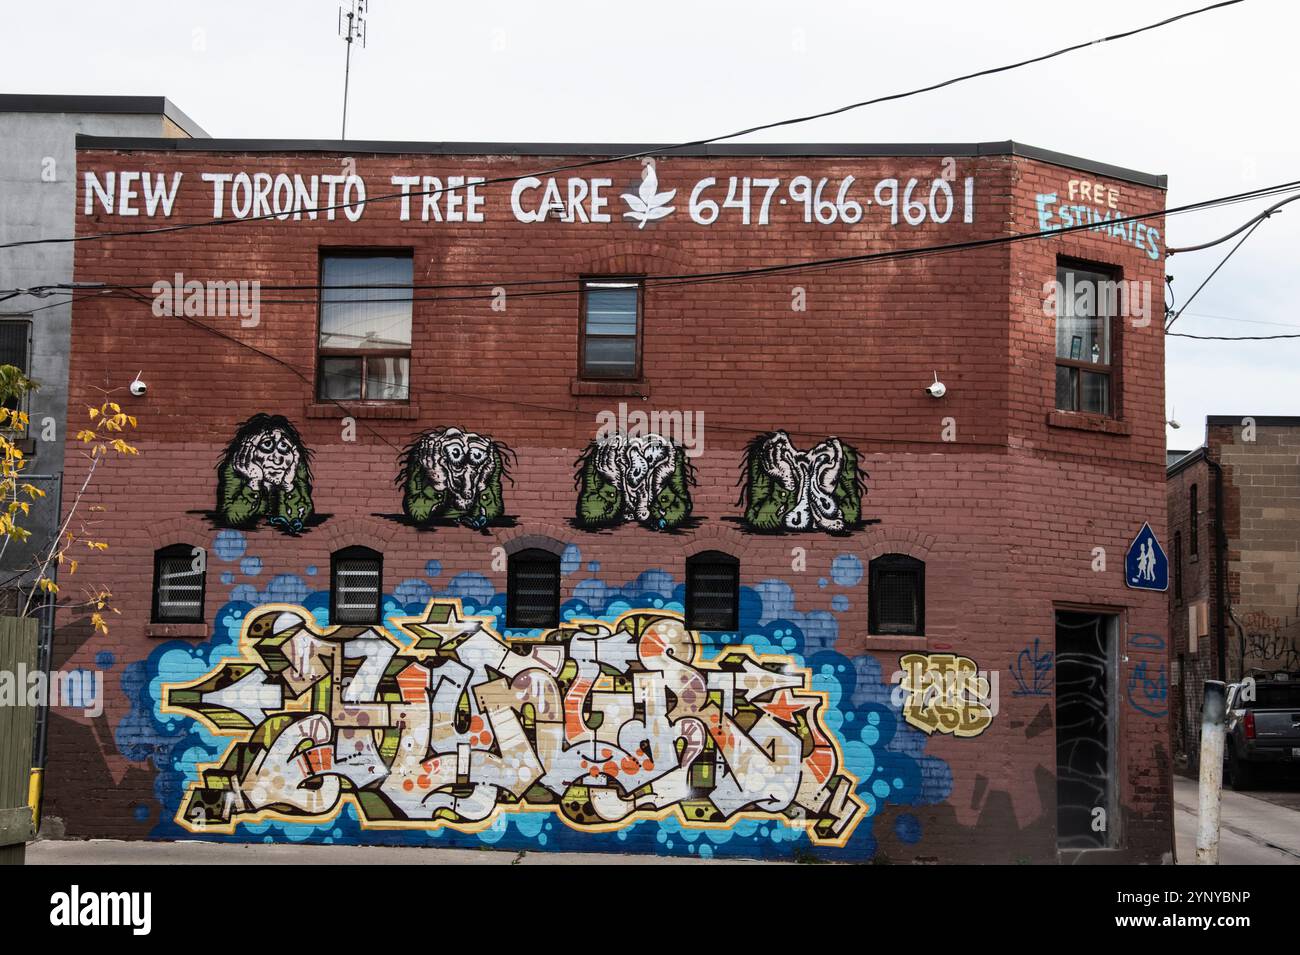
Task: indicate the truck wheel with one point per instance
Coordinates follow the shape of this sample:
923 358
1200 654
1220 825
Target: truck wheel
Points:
1242 774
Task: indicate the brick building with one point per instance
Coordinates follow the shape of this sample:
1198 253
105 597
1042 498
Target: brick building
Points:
493 523
1234 526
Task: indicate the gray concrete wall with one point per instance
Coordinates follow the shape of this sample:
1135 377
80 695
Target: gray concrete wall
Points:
38 189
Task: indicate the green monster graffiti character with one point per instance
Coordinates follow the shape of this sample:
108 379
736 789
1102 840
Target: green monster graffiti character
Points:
643 478
451 474
784 489
265 472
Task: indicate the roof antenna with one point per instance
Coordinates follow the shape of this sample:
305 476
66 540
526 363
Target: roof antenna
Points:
356 30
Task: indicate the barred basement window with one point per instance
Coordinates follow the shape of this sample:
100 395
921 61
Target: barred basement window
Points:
896 595
712 591
15 349
356 585
179 575
533 590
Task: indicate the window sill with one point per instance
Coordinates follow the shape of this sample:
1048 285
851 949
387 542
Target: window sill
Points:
395 410
614 387
1081 421
181 631
895 641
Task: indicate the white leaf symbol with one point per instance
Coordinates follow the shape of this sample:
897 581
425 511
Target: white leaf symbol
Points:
650 203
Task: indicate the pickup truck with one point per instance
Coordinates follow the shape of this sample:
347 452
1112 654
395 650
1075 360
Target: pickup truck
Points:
1263 727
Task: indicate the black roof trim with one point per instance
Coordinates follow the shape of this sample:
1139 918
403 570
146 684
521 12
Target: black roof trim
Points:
1183 463
354 146
121 105
1261 421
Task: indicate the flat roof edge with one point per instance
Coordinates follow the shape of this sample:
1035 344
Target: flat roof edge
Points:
774 150
1261 421
1183 463
94 103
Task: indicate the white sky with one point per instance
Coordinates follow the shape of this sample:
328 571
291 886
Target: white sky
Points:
1208 101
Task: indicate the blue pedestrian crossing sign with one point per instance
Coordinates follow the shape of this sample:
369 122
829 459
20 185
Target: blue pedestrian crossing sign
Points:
1145 565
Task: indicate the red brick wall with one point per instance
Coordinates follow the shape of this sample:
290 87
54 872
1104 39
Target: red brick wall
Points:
1006 517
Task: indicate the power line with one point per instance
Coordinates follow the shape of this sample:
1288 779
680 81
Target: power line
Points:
1230 338
654 151
1206 281
1224 238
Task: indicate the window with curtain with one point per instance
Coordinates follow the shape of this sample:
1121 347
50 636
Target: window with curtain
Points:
365 327
179 577
1086 302
611 329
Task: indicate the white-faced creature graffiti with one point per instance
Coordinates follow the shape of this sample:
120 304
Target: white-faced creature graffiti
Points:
641 478
785 489
603 724
265 473
455 475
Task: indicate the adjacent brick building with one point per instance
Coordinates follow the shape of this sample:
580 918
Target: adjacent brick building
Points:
1234 524
827 613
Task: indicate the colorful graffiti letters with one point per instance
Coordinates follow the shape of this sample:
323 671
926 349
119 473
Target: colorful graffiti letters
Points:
265 473
784 489
602 724
643 478
945 693
456 475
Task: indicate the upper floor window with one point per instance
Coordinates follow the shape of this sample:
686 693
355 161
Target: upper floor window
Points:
1086 302
365 327
1178 565
1193 541
611 329
533 589
15 338
356 585
712 591
179 575
896 595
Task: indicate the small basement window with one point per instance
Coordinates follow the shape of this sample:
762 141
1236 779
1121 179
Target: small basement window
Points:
712 591
896 595
179 578
533 590
356 585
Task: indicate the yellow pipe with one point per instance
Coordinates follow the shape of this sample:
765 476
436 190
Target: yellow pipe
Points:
34 783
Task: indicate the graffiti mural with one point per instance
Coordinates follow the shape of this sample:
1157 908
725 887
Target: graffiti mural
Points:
265 474
601 724
645 479
785 489
946 693
454 475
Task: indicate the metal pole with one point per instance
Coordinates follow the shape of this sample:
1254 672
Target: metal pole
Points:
1211 789
347 71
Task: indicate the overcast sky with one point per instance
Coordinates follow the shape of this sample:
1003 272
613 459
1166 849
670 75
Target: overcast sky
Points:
1208 101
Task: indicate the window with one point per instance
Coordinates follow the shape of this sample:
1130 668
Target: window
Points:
356 585
1178 565
14 340
1086 302
179 574
896 598
1193 544
611 329
365 330
533 590
712 592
